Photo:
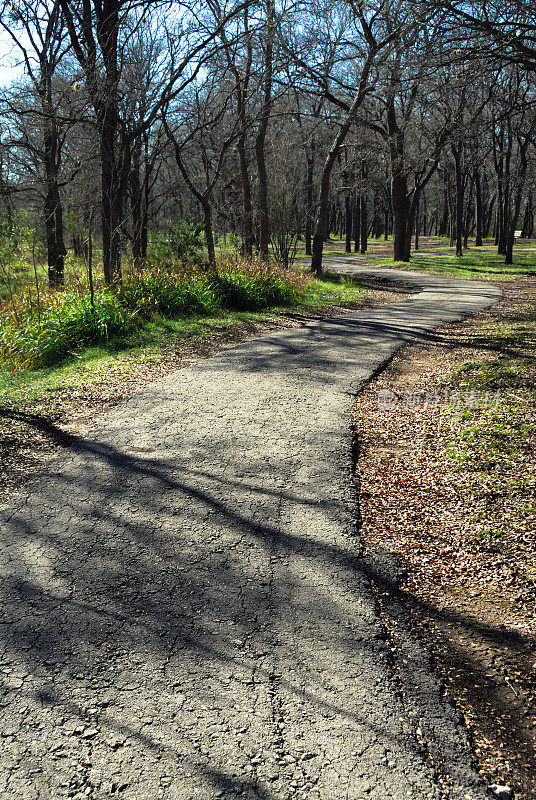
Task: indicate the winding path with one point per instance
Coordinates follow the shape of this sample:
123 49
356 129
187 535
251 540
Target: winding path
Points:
184 613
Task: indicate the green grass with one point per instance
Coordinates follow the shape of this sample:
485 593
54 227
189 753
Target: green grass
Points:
126 354
476 263
19 273
333 289
40 327
491 445
496 439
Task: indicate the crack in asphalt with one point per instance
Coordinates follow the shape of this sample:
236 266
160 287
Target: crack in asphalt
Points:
185 612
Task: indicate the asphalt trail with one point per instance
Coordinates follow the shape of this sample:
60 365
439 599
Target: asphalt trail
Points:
184 611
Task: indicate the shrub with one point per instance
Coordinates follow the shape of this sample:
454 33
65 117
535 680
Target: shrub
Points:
245 286
42 328
184 242
168 292
38 337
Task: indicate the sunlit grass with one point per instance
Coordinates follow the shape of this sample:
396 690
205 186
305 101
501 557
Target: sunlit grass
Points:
123 355
496 439
476 263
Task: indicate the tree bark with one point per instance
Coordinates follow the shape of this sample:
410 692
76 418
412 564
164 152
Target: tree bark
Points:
400 205
528 219
456 152
53 211
356 222
478 206
247 235
209 233
112 202
515 209
399 187
364 224
264 221
54 235
309 203
348 211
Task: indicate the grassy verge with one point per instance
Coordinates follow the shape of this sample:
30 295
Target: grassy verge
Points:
41 408
163 331
39 327
476 263
496 441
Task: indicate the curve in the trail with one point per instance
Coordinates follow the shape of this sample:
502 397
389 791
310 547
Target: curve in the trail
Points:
184 613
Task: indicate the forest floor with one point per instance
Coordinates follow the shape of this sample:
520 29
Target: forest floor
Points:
448 484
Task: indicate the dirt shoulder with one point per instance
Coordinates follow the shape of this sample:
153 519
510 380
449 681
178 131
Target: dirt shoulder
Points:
448 484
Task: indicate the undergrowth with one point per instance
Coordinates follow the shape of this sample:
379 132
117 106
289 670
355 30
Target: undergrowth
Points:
39 328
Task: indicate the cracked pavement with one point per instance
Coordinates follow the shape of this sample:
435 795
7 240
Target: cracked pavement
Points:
185 613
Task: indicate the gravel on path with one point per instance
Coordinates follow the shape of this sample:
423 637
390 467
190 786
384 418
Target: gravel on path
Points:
184 611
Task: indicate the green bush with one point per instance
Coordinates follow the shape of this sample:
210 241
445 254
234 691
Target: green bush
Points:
250 287
167 292
36 338
38 330
183 242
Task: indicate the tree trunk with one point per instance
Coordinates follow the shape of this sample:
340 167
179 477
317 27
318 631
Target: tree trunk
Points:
323 197
146 199
364 224
478 207
528 219
468 223
456 152
112 202
321 219
54 235
356 222
400 205
515 208
348 223
247 235
412 214
309 204
399 187
52 206
242 83
209 233
443 225
487 215
264 222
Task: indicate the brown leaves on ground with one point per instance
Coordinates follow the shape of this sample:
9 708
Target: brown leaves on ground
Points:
451 490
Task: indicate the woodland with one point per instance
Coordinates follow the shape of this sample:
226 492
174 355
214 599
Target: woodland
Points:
265 124
141 142
174 177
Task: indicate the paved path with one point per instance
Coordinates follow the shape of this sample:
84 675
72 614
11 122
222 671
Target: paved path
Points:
184 612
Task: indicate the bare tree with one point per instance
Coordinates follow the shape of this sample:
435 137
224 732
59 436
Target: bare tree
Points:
99 32
39 109
206 128
369 37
